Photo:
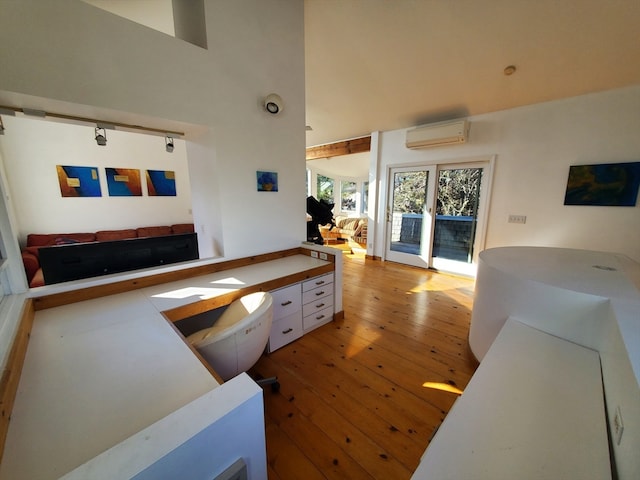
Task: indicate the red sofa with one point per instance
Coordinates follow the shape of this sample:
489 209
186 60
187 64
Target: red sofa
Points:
35 241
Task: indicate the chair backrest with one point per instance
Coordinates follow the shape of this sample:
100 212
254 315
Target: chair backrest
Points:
238 338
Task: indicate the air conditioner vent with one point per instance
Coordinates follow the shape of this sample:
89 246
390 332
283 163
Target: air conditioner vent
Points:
438 134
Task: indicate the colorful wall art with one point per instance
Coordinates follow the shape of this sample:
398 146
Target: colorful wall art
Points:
78 181
267 181
608 184
124 182
161 183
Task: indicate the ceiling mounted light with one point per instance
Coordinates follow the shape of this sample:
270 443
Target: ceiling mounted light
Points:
101 136
168 143
273 104
510 70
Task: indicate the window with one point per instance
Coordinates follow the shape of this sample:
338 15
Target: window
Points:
325 189
348 196
364 205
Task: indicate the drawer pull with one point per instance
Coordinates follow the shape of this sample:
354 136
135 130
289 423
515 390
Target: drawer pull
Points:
284 304
320 305
319 293
320 282
320 317
288 330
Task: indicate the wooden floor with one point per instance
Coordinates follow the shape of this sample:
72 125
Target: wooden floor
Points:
352 404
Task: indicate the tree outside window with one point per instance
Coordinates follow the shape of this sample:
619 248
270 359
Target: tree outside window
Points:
325 189
348 196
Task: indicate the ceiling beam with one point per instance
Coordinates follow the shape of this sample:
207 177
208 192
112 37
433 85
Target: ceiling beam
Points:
356 145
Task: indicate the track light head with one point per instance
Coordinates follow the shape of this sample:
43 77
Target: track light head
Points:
101 136
168 142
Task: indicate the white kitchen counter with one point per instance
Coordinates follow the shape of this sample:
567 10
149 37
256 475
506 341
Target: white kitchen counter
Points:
584 297
534 410
99 371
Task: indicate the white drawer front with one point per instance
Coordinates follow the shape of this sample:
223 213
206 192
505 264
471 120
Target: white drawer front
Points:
318 318
317 293
286 301
317 305
285 330
317 282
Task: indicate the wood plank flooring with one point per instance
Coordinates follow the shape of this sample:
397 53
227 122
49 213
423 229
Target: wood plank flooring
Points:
352 403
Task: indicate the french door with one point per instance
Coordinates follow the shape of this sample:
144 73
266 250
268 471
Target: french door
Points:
410 215
435 215
459 220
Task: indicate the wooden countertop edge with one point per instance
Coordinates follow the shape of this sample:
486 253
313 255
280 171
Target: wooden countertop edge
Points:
89 293
11 373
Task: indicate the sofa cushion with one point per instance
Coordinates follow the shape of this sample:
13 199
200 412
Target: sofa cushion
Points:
65 241
153 231
349 223
32 250
108 235
49 239
31 264
38 279
183 228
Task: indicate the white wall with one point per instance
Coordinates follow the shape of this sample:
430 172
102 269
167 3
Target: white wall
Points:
534 147
156 14
33 148
256 47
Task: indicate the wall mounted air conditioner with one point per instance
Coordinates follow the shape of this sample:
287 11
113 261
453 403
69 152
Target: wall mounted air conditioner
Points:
438 134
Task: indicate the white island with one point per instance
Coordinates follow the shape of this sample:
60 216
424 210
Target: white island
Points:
557 333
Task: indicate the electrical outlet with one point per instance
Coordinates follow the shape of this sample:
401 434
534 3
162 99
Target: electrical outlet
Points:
314 254
517 219
618 426
323 256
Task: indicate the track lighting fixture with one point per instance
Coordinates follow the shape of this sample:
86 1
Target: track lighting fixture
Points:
168 143
101 136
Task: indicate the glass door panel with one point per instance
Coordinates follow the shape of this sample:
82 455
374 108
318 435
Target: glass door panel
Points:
456 220
409 215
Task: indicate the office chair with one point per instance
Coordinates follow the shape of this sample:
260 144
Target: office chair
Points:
237 339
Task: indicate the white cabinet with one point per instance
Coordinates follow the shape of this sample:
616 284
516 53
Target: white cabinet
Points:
317 302
287 316
299 308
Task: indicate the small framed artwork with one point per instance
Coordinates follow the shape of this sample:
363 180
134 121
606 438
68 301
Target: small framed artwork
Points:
605 184
78 181
123 182
161 183
267 181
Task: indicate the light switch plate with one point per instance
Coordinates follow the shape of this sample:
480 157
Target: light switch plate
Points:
517 219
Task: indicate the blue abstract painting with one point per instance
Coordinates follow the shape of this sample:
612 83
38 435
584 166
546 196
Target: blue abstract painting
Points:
78 181
267 181
607 184
161 183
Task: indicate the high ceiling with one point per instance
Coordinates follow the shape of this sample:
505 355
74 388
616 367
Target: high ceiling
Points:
387 64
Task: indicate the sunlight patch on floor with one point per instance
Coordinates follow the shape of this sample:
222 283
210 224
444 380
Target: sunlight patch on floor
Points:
445 387
353 350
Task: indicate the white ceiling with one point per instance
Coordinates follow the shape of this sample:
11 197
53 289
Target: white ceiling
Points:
377 65
354 166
